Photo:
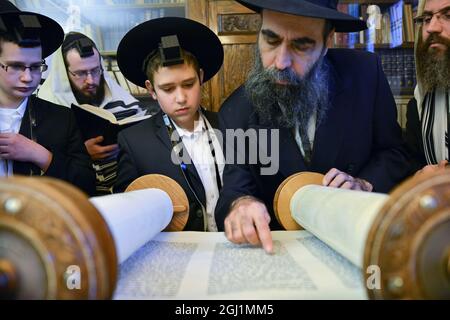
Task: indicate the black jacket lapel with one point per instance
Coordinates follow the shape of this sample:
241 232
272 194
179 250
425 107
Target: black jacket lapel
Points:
191 172
19 167
290 158
212 117
330 133
161 131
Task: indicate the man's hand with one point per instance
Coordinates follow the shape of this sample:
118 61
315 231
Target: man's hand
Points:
338 179
14 146
431 168
248 222
99 152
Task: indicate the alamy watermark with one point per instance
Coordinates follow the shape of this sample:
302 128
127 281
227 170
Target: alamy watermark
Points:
373 281
250 147
73 277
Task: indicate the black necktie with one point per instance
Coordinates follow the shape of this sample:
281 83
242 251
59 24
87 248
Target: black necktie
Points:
448 126
305 144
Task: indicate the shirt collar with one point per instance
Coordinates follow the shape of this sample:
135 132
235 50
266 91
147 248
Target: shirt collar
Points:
22 107
198 128
20 110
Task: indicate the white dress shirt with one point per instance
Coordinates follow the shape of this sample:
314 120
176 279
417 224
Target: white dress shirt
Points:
197 145
10 121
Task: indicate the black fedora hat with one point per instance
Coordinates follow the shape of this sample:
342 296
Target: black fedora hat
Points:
193 36
50 33
324 9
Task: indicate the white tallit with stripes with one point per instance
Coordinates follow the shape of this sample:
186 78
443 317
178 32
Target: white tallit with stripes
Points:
434 119
433 113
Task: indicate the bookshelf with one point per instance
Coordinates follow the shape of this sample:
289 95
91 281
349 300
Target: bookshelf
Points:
104 21
391 36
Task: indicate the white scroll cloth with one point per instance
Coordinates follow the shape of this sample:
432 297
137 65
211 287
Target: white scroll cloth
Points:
340 218
135 217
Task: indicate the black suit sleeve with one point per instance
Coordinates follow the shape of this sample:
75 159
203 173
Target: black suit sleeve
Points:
414 136
238 179
72 163
389 163
126 170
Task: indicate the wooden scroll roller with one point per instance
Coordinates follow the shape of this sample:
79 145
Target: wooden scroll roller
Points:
404 235
56 244
174 190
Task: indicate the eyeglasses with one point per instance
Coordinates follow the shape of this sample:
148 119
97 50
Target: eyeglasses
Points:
442 15
83 74
18 68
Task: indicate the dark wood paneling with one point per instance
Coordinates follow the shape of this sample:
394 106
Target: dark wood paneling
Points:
238 61
237 29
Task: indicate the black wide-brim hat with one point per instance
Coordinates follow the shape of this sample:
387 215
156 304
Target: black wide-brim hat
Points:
193 36
51 35
324 9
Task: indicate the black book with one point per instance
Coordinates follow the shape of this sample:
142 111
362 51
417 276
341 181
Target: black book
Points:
94 121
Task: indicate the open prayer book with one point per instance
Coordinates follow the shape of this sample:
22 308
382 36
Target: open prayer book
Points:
94 121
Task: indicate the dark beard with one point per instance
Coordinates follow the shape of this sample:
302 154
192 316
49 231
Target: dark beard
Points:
432 69
284 105
95 100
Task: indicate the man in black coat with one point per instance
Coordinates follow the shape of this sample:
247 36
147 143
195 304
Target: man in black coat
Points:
37 137
327 111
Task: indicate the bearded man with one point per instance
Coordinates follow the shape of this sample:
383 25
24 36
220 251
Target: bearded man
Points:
333 108
428 120
77 77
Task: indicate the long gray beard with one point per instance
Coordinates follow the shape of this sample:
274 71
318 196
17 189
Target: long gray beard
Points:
433 70
284 105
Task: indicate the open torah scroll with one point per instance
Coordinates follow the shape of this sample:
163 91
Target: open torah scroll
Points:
204 265
57 244
195 265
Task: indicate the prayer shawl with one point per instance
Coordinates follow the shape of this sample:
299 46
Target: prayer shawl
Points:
118 101
433 110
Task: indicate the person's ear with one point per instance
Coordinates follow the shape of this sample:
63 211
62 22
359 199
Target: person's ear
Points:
330 40
201 75
150 89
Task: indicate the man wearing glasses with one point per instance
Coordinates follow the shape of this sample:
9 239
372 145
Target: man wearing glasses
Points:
36 136
77 77
428 117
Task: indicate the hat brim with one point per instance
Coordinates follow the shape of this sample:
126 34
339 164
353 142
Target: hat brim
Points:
52 34
193 36
342 22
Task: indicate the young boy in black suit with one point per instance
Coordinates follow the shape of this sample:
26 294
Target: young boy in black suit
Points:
172 58
36 137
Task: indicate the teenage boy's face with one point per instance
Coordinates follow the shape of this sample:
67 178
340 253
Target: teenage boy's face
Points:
15 85
178 91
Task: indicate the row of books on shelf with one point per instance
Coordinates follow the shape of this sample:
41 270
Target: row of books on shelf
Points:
138 2
399 67
161 1
111 33
39 4
116 74
391 25
43 4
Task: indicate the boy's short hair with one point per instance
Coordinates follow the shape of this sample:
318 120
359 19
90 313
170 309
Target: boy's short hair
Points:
154 61
7 37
